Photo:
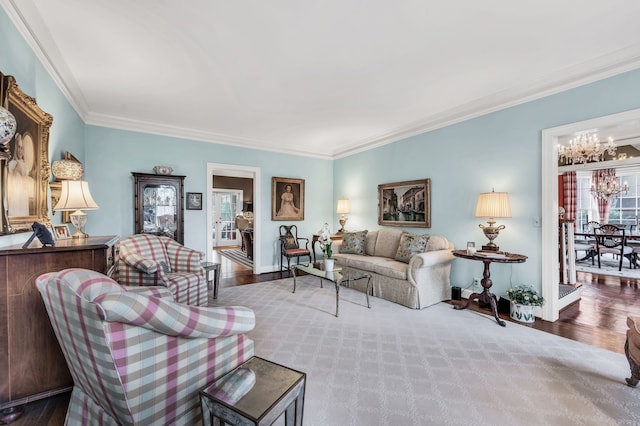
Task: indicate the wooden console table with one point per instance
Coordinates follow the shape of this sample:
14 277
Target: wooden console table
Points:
32 366
486 296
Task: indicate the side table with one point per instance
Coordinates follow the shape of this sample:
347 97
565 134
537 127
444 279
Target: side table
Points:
215 283
257 392
487 258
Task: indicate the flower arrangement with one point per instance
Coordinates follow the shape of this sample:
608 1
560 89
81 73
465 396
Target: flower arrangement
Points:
525 295
324 239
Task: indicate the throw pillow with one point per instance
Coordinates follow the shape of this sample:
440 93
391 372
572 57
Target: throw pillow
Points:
354 243
411 244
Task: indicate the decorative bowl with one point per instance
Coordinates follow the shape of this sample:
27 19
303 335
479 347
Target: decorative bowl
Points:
162 170
7 126
67 170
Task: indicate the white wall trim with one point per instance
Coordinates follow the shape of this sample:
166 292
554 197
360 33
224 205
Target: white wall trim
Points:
550 138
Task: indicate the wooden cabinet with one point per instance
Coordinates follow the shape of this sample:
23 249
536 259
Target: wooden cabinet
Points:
159 205
31 363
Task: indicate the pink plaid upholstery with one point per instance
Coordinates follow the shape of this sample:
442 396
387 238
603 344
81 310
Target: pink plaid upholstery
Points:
141 264
139 359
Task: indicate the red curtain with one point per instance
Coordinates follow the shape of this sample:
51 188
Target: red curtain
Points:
570 189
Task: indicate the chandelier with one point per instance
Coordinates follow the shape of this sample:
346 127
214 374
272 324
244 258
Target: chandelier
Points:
608 187
586 148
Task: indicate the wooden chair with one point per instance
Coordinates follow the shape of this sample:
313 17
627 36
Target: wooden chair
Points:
612 239
290 246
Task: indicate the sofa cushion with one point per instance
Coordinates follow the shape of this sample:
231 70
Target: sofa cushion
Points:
387 242
365 263
392 269
437 242
410 244
354 243
370 247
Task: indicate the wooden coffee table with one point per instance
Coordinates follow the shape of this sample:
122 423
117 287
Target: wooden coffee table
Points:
337 277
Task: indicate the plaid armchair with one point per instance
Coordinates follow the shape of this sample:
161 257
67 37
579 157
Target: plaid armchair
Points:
147 259
136 358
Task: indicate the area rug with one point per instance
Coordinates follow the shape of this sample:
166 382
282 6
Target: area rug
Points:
609 266
237 256
390 365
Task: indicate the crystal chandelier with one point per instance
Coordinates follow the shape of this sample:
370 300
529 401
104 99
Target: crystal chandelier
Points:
586 148
608 187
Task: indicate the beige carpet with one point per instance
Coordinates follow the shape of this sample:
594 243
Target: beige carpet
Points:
390 365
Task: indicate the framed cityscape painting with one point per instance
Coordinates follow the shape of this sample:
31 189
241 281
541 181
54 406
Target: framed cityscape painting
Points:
406 204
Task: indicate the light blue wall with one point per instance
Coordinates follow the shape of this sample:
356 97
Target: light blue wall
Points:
111 156
501 150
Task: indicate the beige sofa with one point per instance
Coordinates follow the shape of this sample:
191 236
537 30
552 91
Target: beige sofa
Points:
423 281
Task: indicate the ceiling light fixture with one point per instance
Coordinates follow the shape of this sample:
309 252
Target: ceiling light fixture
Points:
586 148
608 187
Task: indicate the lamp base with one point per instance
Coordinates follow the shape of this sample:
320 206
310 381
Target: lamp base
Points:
79 234
343 221
490 247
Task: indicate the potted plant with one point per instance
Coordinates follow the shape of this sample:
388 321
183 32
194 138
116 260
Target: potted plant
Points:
324 239
523 299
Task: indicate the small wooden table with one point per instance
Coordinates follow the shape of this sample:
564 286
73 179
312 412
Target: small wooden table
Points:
487 258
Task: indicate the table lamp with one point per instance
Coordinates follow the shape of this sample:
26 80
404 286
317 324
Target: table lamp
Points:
343 208
491 205
76 197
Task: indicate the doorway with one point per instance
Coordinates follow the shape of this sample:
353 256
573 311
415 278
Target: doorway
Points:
226 205
624 121
231 170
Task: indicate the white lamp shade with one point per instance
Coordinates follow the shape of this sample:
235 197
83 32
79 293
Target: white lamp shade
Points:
75 195
493 204
343 206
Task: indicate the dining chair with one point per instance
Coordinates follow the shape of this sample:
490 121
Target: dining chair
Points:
612 239
290 246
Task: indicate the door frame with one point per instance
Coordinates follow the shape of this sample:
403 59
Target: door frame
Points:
549 202
244 172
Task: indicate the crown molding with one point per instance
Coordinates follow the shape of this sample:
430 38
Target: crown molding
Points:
606 66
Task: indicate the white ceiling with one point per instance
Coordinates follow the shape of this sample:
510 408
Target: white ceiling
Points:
319 78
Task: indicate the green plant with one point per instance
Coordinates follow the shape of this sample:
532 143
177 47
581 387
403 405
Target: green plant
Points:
525 295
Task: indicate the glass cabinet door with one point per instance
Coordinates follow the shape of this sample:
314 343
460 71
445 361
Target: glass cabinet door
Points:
159 201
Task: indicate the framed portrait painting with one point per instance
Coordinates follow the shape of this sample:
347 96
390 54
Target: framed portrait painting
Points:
287 199
28 168
406 204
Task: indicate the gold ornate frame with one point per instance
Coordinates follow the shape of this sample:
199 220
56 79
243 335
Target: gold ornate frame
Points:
33 125
406 204
278 188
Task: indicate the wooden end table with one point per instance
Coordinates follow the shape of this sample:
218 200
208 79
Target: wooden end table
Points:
487 258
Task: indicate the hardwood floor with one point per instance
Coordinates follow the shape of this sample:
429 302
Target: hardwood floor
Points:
598 319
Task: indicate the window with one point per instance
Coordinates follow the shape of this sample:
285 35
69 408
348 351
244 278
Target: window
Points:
625 208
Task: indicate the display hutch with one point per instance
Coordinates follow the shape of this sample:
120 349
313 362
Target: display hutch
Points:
159 205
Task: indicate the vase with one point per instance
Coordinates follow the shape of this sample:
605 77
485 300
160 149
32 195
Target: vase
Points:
522 313
328 264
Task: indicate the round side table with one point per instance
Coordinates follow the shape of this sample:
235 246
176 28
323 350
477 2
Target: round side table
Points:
487 258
